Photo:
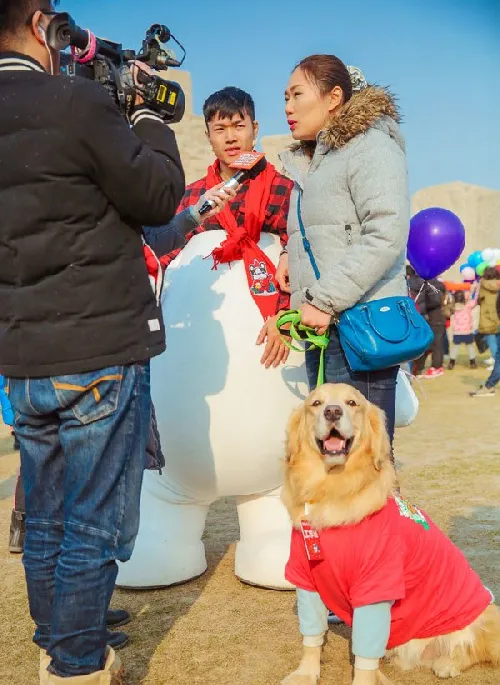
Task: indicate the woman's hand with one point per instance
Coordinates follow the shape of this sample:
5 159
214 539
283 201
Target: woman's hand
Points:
275 352
315 318
219 196
282 273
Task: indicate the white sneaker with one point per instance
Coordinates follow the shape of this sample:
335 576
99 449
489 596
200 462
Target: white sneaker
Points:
483 391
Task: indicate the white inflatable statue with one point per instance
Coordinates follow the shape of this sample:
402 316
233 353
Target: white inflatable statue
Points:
221 417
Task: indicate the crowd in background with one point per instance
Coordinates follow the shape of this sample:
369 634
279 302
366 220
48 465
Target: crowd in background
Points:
460 315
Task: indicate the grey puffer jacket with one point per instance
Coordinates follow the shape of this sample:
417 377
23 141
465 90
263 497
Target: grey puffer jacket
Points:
355 207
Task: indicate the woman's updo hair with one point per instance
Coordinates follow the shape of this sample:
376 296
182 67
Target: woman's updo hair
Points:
326 72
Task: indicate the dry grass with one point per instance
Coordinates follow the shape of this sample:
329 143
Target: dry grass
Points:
216 630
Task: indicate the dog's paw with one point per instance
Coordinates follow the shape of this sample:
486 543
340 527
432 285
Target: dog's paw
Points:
445 668
298 678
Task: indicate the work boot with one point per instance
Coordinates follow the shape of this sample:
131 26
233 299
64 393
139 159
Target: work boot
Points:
44 664
17 532
112 674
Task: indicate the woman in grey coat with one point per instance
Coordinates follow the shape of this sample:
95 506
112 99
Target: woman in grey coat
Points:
350 168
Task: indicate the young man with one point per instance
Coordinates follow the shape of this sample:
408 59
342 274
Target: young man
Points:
231 128
78 325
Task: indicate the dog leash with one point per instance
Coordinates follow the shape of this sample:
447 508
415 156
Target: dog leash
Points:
305 334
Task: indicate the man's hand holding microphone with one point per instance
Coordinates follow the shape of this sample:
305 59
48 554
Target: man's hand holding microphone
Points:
219 196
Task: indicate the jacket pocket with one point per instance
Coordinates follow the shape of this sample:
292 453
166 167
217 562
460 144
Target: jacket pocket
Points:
90 396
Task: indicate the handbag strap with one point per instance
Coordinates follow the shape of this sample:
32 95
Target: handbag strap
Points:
400 338
305 242
317 341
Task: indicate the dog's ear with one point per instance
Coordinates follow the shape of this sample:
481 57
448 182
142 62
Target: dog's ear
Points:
294 433
379 444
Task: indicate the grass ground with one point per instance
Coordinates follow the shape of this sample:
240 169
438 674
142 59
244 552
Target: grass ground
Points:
215 630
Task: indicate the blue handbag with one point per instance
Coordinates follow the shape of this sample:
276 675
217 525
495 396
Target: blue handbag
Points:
380 334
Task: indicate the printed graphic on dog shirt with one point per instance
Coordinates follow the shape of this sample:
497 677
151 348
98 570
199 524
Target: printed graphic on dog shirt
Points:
410 511
262 281
311 541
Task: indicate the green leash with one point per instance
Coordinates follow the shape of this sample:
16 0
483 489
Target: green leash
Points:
305 334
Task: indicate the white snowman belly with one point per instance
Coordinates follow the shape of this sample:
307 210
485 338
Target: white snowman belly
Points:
222 416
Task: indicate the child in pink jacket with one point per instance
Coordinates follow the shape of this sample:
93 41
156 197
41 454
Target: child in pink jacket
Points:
462 326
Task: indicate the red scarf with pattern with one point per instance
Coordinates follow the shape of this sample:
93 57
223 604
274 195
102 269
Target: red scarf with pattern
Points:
242 241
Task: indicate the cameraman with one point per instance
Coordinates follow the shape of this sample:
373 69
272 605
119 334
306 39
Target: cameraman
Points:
78 325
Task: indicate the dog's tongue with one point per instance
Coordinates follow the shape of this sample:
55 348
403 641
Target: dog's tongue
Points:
334 445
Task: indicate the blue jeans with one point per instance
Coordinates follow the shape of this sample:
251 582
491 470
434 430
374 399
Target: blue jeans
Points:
83 440
379 387
495 374
491 340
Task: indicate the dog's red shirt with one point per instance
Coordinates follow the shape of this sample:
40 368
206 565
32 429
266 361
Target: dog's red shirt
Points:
397 554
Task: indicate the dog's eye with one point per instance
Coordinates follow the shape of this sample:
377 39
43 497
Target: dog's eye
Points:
316 403
351 403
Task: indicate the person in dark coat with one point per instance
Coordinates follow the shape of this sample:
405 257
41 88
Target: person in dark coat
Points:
79 323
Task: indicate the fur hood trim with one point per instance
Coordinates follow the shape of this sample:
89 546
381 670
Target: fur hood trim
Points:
359 114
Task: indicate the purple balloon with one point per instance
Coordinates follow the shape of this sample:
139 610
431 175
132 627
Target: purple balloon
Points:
436 241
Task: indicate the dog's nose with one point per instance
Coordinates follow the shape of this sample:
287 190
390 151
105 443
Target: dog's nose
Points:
333 412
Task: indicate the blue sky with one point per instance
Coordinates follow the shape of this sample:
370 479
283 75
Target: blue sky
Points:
441 57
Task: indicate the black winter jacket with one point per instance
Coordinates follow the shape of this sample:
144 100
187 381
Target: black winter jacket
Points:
76 186
430 299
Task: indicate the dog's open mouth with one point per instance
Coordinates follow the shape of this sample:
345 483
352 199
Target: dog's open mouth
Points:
335 444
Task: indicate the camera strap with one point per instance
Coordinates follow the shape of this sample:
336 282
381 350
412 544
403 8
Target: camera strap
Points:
87 55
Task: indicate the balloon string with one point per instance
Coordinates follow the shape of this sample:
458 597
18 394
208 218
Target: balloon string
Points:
431 286
420 291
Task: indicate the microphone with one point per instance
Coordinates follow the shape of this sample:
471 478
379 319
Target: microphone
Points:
249 165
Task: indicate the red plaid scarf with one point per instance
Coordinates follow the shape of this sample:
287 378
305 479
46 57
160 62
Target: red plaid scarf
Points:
242 242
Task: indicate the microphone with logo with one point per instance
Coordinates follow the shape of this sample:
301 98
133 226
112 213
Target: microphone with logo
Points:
249 165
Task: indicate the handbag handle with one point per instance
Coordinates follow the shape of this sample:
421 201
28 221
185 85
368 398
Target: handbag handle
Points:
305 242
368 316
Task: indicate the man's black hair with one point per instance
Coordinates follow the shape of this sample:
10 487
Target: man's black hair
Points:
14 14
227 102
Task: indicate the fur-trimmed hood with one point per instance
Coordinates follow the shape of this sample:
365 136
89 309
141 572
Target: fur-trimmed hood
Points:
490 285
372 107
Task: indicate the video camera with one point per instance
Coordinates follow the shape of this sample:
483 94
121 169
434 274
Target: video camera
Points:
107 63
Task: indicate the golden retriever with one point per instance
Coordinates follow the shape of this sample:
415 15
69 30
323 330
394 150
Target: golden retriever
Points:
338 466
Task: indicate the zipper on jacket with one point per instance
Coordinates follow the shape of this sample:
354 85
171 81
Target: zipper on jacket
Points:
348 231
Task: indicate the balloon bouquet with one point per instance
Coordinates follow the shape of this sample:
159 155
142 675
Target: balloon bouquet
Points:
478 262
